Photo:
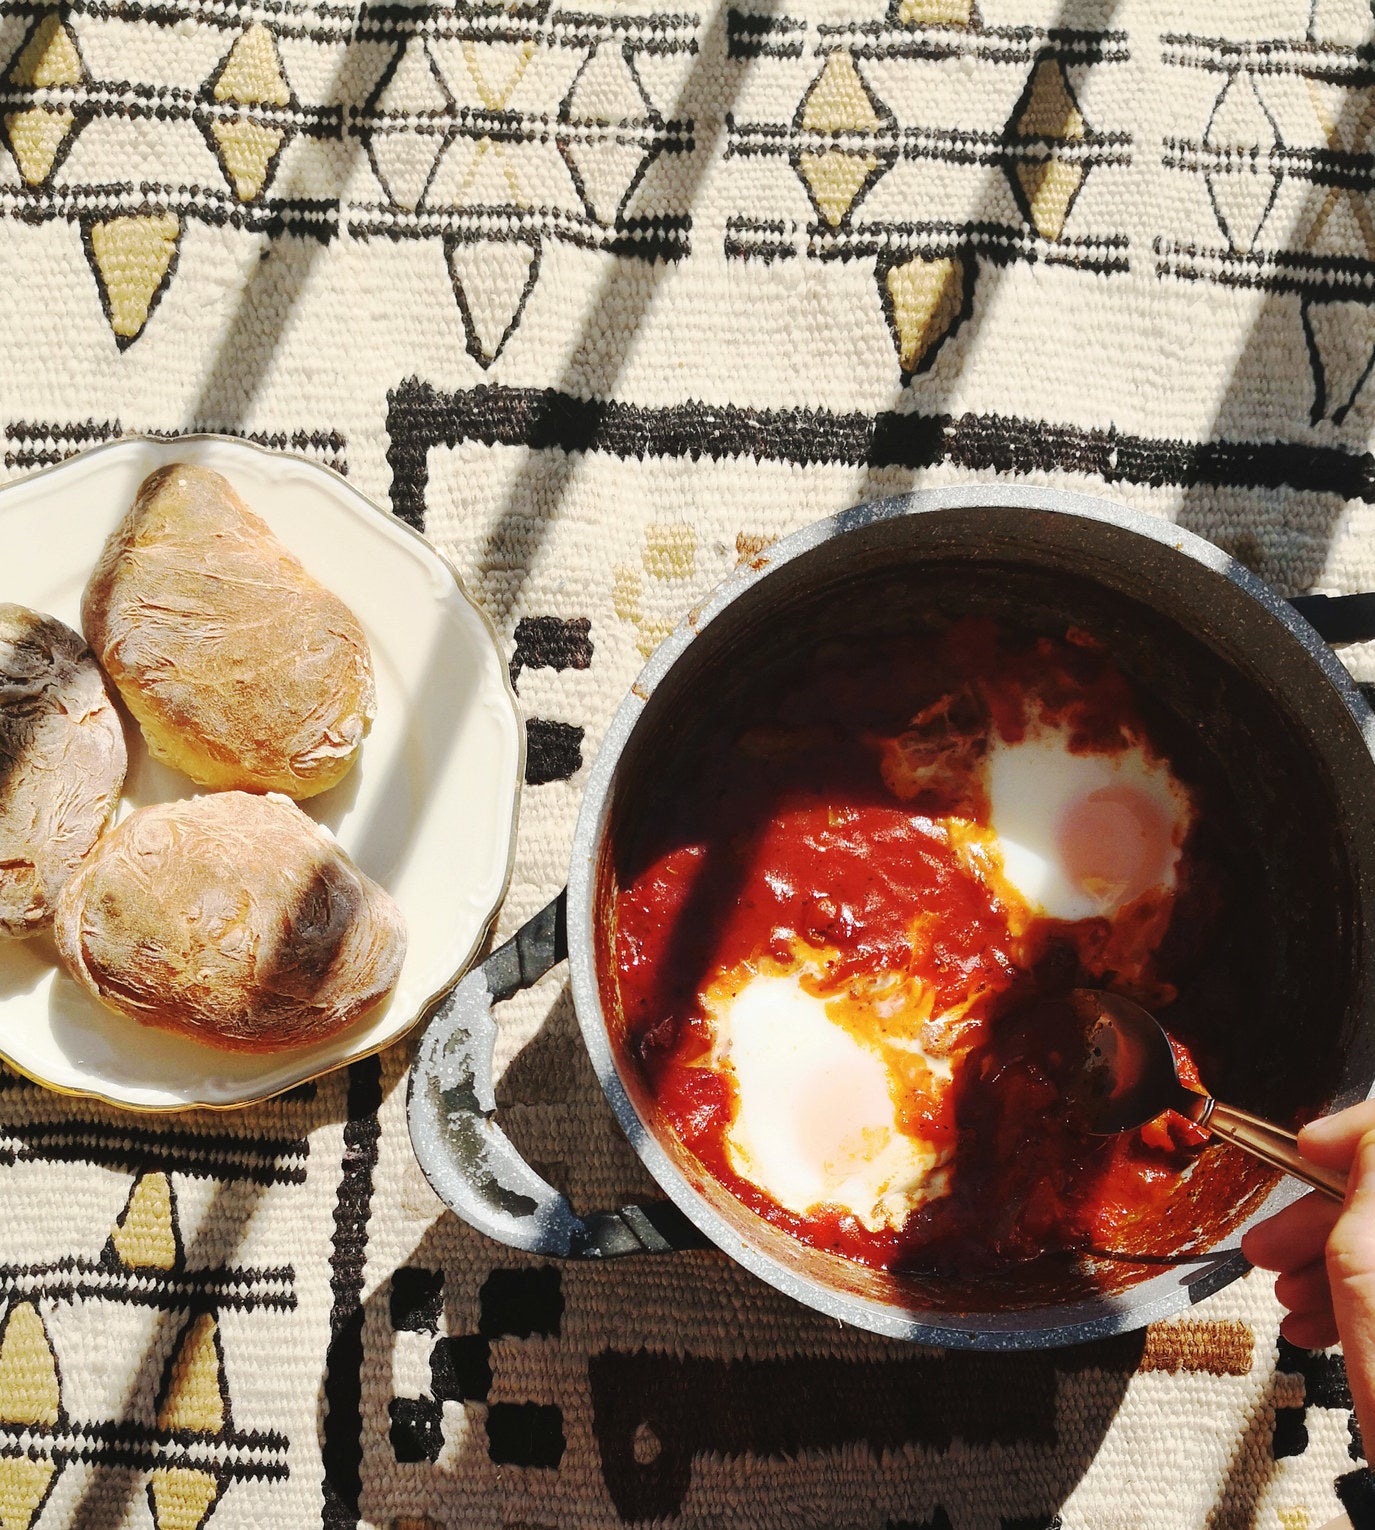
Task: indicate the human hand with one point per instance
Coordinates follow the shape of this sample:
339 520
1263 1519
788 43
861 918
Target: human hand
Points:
1325 1254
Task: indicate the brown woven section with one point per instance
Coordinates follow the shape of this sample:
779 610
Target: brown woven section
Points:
1223 1348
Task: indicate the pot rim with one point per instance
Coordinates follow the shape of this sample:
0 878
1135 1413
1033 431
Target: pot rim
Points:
1075 1322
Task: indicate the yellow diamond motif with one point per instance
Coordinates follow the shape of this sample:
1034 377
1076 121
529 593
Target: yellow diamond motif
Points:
1050 111
35 137
838 101
24 1485
194 1397
495 96
181 1497
131 257
490 170
29 1392
950 13
48 58
246 150
835 178
146 1236
1049 190
927 297
252 74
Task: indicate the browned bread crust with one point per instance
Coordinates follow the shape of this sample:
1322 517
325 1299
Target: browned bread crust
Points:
231 918
62 762
242 670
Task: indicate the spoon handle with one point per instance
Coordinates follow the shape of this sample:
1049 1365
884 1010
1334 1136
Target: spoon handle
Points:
1273 1145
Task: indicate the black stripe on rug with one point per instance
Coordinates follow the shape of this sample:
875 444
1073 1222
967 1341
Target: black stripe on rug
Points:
133 1149
420 417
342 1448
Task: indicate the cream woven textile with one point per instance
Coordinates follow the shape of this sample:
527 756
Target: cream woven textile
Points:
604 295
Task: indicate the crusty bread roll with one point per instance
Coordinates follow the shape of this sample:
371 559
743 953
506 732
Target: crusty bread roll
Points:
241 669
232 918
62 762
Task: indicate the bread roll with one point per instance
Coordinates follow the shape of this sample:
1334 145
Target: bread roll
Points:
62 762
232 918
241 669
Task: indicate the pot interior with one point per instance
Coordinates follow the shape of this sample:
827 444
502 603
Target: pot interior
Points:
1246 710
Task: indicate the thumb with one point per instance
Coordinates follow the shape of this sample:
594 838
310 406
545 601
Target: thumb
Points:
1331 1141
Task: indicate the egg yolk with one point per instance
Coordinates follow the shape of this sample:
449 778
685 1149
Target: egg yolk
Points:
1082 834
1116 843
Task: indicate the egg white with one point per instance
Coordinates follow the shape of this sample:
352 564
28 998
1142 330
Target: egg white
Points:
815 1124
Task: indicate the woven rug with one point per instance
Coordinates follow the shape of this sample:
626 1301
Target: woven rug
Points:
603 297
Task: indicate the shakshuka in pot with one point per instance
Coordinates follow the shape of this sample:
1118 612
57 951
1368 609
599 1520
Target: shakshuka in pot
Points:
879 802
840 931
855 854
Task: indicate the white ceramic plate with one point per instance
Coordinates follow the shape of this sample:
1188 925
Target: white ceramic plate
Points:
428 810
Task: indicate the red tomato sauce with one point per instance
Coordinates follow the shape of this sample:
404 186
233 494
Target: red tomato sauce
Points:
788 835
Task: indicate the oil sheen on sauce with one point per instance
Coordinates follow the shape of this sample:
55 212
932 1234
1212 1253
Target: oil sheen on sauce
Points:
840 938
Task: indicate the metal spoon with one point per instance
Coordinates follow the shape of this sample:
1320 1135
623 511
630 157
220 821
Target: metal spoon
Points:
1129 1077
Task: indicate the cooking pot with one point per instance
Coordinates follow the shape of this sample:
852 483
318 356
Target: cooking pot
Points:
1245 675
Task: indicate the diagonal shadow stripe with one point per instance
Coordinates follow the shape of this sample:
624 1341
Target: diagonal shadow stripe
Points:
626 291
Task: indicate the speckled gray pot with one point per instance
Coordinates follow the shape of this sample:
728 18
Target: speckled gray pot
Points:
1227 646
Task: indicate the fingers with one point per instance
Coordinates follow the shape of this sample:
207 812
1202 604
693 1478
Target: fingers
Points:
1351 1247
1325 1254
1294 1242
1292 1238
1311 1322
1331 1141
1311 1330
1351 1278
1305 1290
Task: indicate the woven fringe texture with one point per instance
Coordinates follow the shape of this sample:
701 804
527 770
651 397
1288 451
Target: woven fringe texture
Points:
604 297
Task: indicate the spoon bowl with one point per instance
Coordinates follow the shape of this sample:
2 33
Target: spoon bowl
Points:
1130 1075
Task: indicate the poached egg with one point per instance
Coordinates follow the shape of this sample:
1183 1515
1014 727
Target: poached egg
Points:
1081 836
816 1123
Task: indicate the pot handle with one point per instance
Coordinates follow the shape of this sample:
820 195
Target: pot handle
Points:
1338 618
450 1101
